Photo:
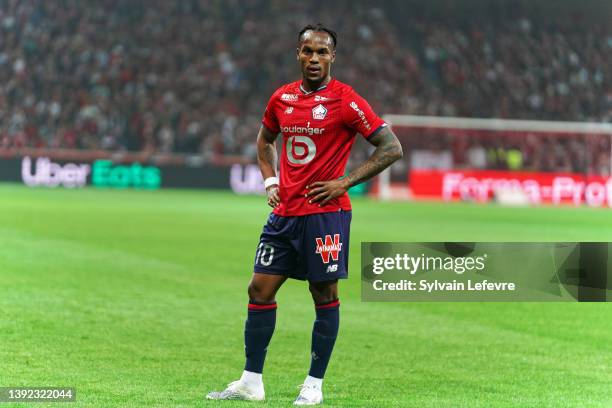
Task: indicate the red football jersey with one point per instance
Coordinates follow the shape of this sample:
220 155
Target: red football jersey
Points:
318 130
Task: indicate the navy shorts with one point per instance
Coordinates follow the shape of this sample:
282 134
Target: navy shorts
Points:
309 247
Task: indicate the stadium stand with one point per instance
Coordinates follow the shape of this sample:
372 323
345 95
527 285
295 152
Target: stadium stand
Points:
194 76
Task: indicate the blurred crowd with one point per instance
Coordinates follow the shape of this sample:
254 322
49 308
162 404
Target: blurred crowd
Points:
507 150
193 76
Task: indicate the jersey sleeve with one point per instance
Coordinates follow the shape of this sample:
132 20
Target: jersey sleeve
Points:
270 121
359 116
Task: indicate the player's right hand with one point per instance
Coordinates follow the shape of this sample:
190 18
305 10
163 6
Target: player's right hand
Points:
273 196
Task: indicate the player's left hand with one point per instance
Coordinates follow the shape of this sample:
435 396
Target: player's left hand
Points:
323 191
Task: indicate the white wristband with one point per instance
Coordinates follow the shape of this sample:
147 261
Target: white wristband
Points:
270 181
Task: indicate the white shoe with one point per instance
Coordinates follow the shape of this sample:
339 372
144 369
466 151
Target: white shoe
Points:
237 390
309 395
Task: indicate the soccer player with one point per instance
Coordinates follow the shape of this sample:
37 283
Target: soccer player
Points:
307 234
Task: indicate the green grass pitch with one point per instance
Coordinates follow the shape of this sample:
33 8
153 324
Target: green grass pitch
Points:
138 299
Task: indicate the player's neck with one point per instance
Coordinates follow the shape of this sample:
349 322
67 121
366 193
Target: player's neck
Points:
308 86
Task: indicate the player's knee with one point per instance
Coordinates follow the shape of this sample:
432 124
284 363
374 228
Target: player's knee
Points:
259 293
253 290
322 293
322 299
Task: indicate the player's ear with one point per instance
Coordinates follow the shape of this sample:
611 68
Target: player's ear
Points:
297 53
333 55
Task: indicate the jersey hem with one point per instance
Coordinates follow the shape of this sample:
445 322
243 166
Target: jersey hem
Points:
302 213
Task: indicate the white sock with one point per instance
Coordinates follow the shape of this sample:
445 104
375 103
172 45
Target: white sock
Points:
315 382
250 378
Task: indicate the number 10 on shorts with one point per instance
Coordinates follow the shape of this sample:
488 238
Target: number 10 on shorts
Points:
265 254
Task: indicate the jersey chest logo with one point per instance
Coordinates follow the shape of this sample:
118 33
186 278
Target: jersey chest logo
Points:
319 112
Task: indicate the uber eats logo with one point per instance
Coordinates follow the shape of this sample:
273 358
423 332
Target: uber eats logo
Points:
46 173
105 174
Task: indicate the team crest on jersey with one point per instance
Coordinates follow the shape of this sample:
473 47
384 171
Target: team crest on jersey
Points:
329 247
289 97
319 112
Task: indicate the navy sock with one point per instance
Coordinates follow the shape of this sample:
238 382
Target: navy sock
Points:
324 333
258 331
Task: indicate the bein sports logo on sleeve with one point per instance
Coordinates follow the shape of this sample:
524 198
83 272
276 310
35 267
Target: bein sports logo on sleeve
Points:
356 108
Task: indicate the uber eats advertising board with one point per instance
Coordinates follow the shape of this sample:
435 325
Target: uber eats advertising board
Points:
104 173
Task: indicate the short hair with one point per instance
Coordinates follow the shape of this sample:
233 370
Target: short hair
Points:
319 28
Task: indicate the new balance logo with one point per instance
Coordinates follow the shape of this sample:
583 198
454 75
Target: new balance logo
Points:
330 247
289 97
332 268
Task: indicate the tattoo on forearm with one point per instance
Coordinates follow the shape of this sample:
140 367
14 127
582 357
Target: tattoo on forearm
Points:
267 156
387 151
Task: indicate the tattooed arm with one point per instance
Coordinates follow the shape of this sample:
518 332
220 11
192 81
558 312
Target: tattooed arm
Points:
267 159
388 150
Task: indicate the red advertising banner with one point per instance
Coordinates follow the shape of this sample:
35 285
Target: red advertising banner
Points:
536 188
